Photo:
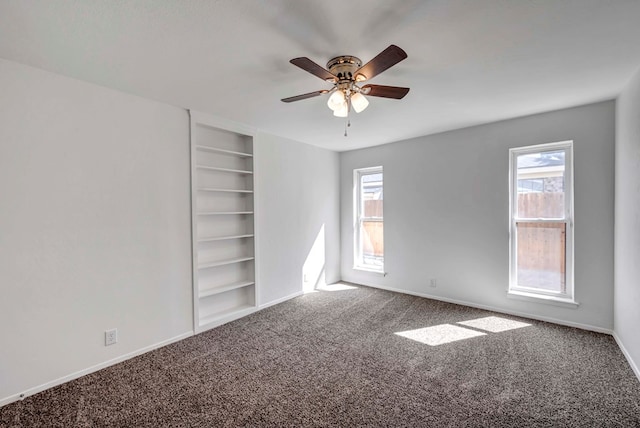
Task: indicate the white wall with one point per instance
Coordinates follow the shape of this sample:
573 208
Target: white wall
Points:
297 216
627 221
446 212
94 226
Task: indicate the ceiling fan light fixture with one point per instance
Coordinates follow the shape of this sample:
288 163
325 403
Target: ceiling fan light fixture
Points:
336 100
359 102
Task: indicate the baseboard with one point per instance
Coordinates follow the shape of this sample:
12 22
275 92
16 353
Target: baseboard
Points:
627 355
78 374
237 315
282 299
494 309
226 319
95 368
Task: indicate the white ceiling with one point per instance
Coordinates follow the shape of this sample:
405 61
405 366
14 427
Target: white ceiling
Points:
470 61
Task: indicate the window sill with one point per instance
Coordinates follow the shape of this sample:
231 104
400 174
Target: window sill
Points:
370 270
540 298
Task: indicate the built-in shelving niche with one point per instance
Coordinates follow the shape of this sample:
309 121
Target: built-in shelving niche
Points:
223 222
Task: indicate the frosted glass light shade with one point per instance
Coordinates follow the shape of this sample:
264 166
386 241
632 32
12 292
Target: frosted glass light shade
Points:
336 100
342 111
359 102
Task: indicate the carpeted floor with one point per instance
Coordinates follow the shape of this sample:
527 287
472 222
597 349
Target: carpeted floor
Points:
333 358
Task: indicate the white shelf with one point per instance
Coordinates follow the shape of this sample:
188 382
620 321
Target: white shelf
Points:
226 213
215 168
211 189
224 262
227 152
238 311
217 290
224 238
223 248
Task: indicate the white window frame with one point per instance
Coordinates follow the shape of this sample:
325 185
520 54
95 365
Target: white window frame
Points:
532 293
359 219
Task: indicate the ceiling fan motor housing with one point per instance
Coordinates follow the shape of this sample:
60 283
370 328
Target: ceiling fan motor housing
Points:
344 67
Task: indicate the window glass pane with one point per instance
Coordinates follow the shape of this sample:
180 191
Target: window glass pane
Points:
371 187
541 256
372 243
369 252
540 184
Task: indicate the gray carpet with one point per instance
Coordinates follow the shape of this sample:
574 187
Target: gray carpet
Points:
332 358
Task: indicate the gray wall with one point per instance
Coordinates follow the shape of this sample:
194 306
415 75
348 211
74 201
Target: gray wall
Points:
447 217
627 215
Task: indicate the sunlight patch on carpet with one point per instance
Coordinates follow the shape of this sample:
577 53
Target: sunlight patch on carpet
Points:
440 334
336 287
494 324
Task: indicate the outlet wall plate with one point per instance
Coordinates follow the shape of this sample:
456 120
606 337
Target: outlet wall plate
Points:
110 337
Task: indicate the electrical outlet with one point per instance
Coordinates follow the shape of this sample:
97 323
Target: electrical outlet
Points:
433 283
110 337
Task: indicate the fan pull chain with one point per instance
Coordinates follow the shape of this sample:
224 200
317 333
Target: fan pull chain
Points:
348 122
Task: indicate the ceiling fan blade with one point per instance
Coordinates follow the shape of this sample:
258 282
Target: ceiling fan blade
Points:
395 92
304 96
385 59
307 65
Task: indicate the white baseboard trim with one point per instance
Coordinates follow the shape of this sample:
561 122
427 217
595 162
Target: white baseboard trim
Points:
626 354
282 299
95 368
100 366
78 374
236 316
226 319
494 309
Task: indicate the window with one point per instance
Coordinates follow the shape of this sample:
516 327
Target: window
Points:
541 235
369 225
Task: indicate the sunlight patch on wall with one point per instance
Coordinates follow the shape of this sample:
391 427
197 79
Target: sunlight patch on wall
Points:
313 268
440 334
494 324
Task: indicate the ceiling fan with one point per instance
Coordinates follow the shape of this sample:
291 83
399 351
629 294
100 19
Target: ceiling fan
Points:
346 73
